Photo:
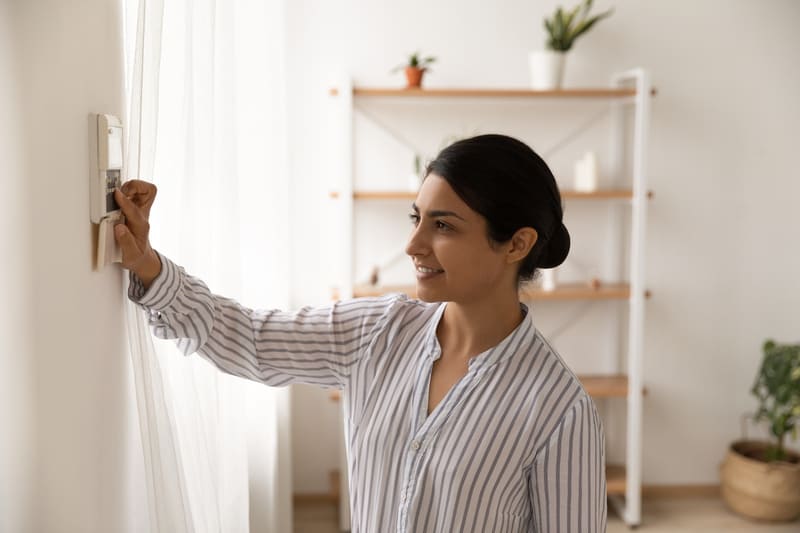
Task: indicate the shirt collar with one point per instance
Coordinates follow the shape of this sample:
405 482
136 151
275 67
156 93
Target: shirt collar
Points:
500 352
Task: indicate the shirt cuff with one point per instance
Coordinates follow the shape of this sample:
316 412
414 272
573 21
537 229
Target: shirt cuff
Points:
162 291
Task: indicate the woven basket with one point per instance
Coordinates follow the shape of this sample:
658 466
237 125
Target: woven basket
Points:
759 490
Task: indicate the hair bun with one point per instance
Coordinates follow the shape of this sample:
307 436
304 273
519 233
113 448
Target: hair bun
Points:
557 248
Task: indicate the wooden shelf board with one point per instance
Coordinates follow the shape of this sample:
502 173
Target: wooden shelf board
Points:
608 194
493 93
565 291
610 386
579 291
615 479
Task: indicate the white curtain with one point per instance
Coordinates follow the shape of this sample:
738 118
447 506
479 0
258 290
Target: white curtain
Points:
206 124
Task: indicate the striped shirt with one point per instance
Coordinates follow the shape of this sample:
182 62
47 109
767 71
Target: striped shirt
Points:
515 446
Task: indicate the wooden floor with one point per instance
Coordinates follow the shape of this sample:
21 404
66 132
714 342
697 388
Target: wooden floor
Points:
661 515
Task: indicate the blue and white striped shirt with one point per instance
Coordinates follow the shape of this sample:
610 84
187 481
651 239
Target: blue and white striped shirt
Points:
515 446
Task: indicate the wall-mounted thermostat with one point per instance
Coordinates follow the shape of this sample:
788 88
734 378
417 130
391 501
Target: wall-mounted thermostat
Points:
105 176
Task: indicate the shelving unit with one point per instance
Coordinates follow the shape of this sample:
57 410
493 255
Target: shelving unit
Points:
631 88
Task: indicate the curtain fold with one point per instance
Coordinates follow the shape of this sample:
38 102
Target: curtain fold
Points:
206 124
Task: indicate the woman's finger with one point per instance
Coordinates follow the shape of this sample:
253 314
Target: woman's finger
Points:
135 220
127 243
140 192
131 211
131 187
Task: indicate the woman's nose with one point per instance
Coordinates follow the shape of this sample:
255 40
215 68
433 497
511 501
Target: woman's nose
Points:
417 244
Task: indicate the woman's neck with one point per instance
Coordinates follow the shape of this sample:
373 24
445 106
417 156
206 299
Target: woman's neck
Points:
467 330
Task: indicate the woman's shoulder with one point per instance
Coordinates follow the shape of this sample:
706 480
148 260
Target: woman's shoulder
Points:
562 376
392 306
398 300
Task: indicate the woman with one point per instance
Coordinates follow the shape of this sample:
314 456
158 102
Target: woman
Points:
460 417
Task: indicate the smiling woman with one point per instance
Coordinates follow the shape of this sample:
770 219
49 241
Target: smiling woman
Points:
459 415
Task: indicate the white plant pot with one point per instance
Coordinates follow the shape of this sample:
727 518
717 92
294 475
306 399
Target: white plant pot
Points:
547 69
548 279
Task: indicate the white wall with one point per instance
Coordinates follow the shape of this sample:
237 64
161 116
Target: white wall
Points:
75 389
722 256
17 407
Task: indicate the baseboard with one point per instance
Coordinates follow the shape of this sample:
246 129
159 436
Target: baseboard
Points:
316 497
680 491
332 496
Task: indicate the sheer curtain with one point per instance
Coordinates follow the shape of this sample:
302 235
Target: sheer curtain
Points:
206 124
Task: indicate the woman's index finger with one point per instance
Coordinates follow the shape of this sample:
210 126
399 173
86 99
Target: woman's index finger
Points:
128 207
138 187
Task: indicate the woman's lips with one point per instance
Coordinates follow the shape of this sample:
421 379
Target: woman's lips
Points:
426 273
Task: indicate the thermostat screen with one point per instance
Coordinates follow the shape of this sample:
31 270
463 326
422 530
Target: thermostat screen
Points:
112 181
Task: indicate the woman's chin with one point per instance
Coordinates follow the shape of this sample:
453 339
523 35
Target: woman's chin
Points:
426 294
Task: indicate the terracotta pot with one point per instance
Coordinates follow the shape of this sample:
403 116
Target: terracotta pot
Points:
757 489
414 76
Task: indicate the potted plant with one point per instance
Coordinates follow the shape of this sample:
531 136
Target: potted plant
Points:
414 68
547 66
761 480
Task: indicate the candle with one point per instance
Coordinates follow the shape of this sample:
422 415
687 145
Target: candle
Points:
586 173
548 279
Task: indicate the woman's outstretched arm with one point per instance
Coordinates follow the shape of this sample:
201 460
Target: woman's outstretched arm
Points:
317 346
314 346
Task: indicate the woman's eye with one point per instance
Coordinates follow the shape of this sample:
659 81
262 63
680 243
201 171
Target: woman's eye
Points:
414 218
442 225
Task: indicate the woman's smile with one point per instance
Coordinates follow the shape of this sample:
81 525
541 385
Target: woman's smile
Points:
425 273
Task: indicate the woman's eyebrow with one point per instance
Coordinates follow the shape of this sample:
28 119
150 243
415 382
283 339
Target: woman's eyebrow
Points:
438 212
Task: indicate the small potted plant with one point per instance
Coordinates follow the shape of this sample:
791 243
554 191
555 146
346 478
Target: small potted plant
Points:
759 479
547 66
415 68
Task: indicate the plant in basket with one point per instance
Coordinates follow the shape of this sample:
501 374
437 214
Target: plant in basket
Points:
761 479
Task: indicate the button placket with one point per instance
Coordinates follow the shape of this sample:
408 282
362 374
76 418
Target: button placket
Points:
415 458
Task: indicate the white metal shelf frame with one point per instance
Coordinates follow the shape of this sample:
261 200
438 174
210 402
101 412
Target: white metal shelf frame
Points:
629 507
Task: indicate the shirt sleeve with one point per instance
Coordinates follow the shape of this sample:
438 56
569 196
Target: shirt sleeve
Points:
567 484
316 346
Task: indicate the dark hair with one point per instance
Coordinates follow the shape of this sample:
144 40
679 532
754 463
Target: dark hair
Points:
505 181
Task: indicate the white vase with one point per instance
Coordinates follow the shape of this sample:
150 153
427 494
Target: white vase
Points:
548 279
547 69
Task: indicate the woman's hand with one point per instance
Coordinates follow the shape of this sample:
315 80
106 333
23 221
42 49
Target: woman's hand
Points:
135 198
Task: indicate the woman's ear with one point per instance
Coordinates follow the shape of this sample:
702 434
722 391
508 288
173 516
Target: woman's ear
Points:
521 244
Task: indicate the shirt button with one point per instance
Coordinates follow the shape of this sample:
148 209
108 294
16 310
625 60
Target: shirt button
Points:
415 445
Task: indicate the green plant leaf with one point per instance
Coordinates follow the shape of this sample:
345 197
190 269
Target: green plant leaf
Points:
778 393
564 27
558 26
571 16
586 25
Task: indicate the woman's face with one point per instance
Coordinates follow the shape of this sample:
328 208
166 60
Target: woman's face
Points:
450 248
